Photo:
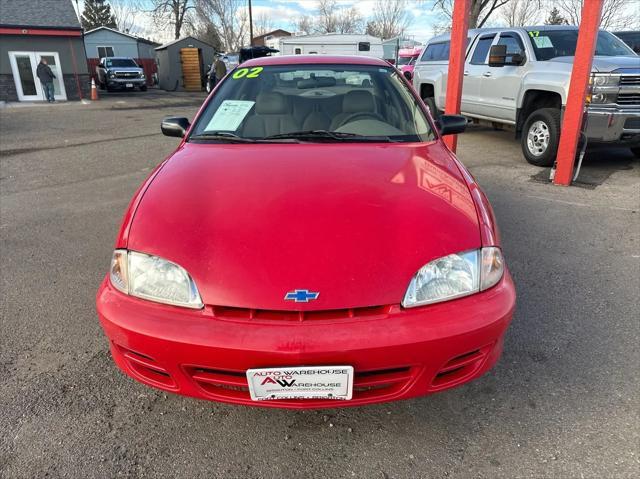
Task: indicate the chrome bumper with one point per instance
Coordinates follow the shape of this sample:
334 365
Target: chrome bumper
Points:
613 124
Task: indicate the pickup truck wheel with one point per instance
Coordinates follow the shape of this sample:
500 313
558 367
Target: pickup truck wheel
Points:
143 88
540 136
431 104
636 151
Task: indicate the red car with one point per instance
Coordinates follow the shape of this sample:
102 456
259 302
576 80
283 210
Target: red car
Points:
311 243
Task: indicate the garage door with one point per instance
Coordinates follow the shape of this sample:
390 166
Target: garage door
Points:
190 58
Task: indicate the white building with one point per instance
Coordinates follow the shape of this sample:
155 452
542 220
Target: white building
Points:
332 44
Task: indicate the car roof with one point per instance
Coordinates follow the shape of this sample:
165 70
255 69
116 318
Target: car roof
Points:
475 31
314 60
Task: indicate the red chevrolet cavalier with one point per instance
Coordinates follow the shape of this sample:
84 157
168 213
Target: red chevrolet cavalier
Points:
311 243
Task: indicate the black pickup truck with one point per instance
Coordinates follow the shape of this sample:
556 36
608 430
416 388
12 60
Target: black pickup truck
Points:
117 73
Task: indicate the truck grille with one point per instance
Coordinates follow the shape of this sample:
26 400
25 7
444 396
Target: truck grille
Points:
630 80
127 75
628 99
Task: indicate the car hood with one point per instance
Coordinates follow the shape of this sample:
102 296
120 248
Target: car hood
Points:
126 69
351 221
607 64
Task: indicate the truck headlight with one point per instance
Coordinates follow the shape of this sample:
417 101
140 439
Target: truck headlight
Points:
454 276
604 80
112 75
603 98
153 278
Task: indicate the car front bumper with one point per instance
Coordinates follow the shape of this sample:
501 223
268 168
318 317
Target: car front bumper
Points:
122 83
396 353
608 125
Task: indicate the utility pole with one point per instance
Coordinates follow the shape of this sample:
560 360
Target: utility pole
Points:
250 26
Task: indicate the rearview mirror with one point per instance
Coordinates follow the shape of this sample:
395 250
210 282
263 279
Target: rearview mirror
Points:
175 126
452 124
498 56
407 75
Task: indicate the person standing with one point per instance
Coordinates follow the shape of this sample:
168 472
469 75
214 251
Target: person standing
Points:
46 76
220 68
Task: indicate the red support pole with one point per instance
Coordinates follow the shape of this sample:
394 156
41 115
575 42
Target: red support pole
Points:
578 90
460 25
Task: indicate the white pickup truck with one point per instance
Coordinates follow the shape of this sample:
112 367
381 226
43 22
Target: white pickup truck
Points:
520 77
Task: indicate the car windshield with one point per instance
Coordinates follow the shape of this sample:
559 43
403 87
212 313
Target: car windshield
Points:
313 103
549 44
120 63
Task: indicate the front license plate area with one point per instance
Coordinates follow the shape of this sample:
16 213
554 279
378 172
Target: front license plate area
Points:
129 85
303 382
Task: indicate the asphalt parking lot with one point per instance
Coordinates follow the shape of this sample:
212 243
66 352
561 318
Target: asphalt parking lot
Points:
563 401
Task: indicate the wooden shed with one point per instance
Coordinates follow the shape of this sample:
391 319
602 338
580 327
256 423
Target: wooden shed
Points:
182 64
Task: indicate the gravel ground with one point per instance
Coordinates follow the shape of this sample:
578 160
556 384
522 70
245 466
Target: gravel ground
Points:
562 402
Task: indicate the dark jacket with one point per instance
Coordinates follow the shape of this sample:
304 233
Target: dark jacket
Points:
44 73
220 69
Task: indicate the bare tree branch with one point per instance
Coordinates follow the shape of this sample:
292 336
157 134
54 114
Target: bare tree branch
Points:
229 17
171 13
616 14
390 18
126 14
518 13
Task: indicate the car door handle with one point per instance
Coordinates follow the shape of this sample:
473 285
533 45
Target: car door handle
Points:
487 74
466 73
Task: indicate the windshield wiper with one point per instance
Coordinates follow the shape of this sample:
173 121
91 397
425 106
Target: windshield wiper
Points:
221 135
322 134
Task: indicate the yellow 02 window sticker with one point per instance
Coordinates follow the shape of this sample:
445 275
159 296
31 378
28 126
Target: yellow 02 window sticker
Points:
247 73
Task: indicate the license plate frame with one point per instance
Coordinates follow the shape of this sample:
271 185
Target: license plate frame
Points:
128 85
301 382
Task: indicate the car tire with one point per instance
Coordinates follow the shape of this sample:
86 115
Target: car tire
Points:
431 104
143 88
636 151
540 136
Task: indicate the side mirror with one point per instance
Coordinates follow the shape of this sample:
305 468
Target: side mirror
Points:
175 126
452 124
498 56
407 74
517 59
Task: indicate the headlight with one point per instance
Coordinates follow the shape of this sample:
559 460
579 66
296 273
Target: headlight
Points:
454 276
603 98
153 278
605 80
112 75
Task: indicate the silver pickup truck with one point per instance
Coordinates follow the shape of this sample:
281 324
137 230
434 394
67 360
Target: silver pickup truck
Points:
520 77
118 73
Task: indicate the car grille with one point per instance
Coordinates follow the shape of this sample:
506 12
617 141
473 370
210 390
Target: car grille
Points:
628 99
240 314
226 384
127 75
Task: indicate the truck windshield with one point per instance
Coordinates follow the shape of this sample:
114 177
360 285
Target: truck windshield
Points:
313 103
405 60
549 44
120 63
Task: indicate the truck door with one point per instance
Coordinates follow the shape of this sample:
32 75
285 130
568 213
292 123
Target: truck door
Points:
500 85
474 68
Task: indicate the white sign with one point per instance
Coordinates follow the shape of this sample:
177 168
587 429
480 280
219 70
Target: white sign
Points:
229 115
305 382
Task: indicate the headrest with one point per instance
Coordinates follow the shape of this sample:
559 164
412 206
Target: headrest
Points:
357 101
271 103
